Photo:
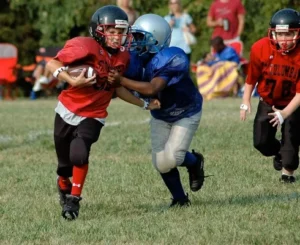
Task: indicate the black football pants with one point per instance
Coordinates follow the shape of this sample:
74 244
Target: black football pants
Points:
73 143
264 136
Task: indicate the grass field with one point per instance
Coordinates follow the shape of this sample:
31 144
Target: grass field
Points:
125 201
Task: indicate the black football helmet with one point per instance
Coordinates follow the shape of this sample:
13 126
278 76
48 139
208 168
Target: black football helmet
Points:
285 20
108 16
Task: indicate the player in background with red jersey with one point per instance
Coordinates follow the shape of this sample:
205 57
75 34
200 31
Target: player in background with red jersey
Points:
275 67
82 107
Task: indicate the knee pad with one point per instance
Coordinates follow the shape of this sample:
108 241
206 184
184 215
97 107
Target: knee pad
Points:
164 161
79 151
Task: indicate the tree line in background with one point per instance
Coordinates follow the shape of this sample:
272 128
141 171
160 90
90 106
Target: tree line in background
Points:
30 24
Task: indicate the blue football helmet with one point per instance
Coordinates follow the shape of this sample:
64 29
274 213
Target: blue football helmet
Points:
151 33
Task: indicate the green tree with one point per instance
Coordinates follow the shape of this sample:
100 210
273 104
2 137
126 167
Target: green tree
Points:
30 24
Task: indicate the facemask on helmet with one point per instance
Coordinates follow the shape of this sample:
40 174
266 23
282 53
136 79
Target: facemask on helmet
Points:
101 23
151 33
284 31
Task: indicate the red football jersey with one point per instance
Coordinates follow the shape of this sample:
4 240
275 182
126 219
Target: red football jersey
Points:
278 75
90 101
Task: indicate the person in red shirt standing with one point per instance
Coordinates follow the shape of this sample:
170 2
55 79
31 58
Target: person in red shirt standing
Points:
227 18
82 107
275 67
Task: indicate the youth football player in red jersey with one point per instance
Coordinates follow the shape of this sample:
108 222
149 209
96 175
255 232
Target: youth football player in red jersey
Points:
275 67
82 107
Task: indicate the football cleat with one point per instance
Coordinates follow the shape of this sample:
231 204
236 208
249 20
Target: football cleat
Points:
71 207
277 162
287 179
62 193
180 203
196 173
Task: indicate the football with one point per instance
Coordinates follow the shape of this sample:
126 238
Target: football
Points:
75 71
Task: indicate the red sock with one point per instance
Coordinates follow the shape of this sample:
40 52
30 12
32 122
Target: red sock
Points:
79 174
64 183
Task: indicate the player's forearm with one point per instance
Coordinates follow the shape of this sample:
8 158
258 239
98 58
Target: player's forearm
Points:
144 88
291 107
247 93
125 95
53 65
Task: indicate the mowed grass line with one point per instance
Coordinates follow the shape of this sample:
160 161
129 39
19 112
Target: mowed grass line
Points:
125 201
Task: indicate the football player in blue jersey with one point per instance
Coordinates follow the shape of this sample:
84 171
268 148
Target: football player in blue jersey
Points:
159 71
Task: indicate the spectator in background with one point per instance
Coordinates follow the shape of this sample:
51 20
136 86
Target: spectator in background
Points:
182 26
222 52
126 6
227 18
42 77
217 73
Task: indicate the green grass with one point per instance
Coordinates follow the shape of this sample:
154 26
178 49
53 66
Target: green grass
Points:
124 199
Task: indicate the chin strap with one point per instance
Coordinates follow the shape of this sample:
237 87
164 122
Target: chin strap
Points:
111 50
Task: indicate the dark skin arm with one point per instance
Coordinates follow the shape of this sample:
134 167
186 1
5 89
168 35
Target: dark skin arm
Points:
125 95
151 88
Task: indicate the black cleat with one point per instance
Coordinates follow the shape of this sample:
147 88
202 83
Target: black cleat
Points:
185 202
277 162
62 193
71 208
196 173
287 179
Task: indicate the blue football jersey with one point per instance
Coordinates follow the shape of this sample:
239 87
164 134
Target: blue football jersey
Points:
180 98
135 71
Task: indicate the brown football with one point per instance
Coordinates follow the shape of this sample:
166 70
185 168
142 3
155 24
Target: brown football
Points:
75 71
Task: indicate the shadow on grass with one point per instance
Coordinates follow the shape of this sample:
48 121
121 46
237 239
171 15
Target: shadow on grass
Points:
249 200
140 209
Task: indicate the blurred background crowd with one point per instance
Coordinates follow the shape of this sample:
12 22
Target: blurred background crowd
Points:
33 31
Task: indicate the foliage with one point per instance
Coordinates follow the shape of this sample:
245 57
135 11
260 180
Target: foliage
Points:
33 23
16 28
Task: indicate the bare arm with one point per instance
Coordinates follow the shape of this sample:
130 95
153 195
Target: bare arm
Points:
286 112
146 88
213 23
192 28
125 95
241 18
291 107
53 65
246 100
